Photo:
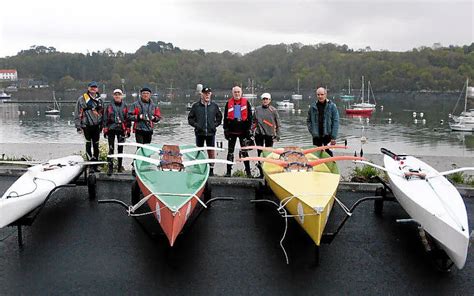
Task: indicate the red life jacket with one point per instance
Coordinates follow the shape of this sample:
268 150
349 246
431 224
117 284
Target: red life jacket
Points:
243 108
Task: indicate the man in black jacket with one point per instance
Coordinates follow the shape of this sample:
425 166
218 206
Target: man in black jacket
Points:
205 116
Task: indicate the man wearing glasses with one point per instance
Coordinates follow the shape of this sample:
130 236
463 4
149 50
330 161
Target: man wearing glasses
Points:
88 119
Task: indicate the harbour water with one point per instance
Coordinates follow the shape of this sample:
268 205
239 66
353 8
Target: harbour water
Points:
393 126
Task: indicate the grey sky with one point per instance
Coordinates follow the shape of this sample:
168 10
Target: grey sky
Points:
238 26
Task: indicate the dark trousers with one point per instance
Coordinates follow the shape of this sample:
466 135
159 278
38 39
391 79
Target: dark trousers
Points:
244 141
322 141
143 137
111 139
263 140
210 142
92 135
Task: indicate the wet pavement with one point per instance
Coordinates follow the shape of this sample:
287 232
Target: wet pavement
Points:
77 246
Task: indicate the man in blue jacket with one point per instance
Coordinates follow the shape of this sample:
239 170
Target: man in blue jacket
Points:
323 120
205 116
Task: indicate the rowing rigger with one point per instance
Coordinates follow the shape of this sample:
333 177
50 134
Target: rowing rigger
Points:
162 162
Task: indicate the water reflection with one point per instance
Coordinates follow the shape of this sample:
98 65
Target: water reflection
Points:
394 126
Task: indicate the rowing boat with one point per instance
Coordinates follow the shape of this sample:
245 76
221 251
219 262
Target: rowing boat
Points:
305 182
33 187
171 190
432 201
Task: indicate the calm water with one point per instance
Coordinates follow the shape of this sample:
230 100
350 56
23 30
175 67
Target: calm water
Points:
393 126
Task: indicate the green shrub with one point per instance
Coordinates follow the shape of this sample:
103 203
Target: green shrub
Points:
366 173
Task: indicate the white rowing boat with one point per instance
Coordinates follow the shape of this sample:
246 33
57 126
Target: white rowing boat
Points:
33 187
432 201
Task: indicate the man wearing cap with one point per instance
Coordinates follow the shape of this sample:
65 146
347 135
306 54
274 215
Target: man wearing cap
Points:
205 116
323 120
88 119
265 125
116 125
237 124
144 114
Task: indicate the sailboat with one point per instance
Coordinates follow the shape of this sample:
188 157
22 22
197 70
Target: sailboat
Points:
465 121
251 97
297 96
56 110
349 96
364 107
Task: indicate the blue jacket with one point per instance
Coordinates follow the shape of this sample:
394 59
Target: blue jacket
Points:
330 123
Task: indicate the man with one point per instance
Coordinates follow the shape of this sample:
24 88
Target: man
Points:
144 114
323 120
88 120
116 125
205 116
237 124
265 125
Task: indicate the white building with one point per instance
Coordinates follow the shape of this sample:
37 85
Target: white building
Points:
10 75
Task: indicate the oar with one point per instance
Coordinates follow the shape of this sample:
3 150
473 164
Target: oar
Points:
156 149
161 162
334 158
283 163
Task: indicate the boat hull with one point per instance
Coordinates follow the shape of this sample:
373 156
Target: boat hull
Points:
359 111
436 205
33 187
172 194
308 196
171 221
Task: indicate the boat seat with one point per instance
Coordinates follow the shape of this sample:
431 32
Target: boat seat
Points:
171 158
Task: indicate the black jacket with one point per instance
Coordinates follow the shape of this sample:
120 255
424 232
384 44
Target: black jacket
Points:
205 118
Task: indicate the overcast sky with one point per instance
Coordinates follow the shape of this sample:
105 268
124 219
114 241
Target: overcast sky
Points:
238 26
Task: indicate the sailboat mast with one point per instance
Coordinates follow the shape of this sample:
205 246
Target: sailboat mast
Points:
349 86
465 99
363 87
298 87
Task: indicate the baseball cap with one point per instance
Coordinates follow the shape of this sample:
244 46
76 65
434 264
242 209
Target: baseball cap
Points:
118 90
92 84
266 95
206 89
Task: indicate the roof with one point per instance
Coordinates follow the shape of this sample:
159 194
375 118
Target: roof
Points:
7 71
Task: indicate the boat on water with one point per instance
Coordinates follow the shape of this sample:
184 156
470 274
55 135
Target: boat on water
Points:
33 187
348 97
465 120
432 202
4 97
285 105
364 107
189 105
56 109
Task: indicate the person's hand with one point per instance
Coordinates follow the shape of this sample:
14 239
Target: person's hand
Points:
106 132
79 130
140 116
276 138
333 142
